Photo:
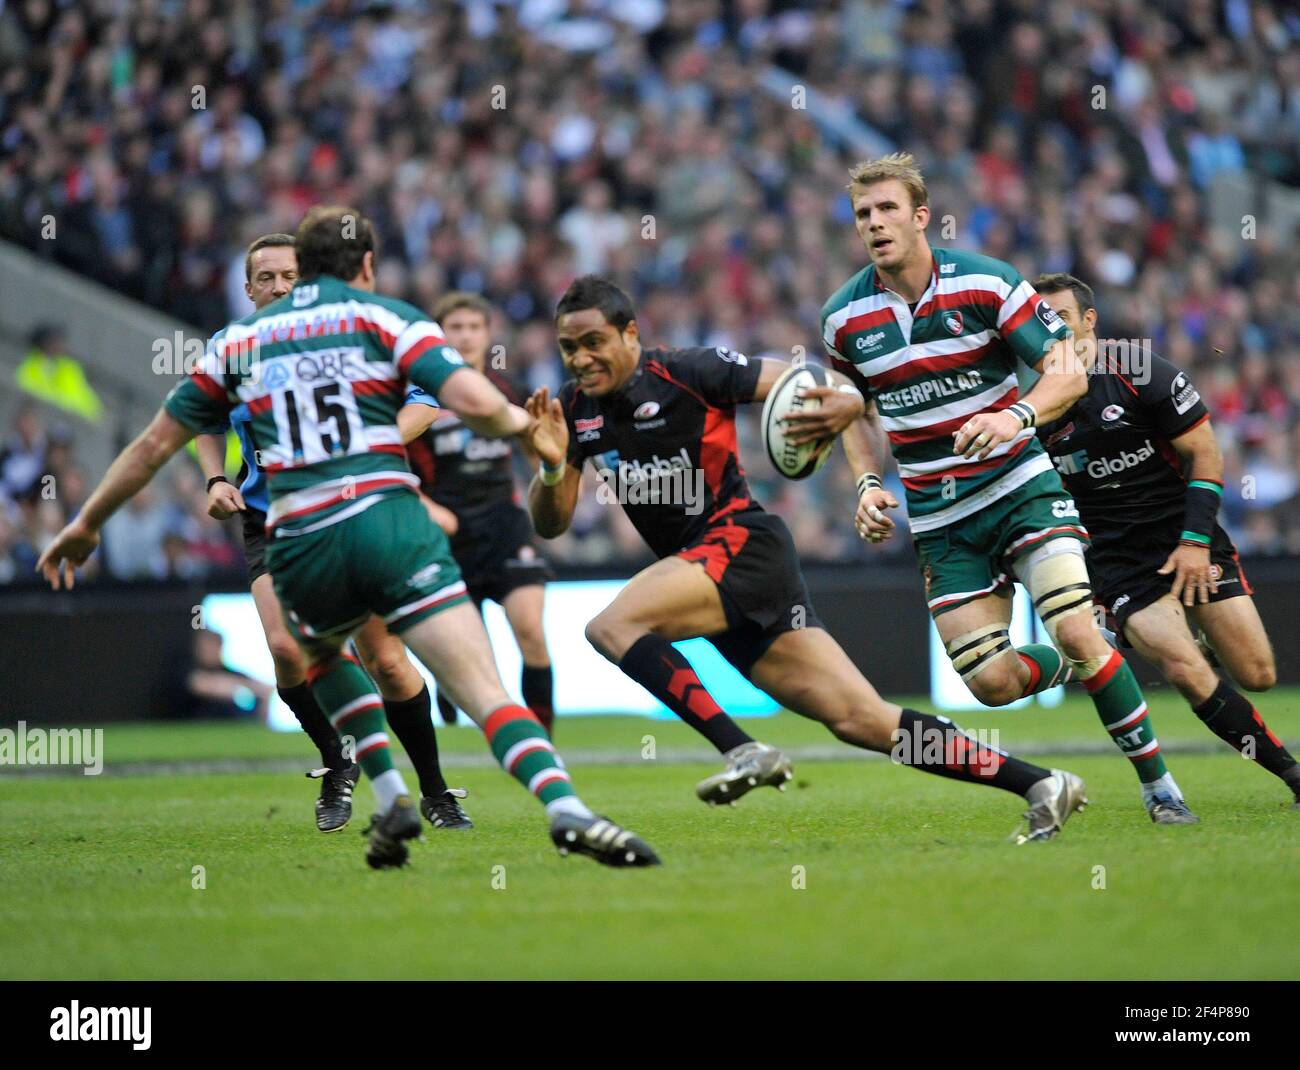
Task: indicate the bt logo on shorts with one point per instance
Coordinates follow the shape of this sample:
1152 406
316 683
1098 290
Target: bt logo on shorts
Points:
1064 507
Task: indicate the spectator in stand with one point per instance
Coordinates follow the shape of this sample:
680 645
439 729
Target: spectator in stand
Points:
51 375
698 153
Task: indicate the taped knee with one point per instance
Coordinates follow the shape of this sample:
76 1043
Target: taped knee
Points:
1057 579
1087 668
971 653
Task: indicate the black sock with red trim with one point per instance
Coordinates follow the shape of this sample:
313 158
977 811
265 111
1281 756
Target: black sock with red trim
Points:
659 667
314 722
936 745
1230 716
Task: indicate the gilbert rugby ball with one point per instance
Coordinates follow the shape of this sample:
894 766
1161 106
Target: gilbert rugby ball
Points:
786 397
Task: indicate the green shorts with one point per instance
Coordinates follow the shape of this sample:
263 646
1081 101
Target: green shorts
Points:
390 559
974 557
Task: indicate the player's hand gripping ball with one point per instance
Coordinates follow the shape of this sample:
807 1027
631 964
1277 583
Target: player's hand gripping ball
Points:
792 451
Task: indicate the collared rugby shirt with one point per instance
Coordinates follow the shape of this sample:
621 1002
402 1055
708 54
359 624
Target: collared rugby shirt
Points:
930 371
322 372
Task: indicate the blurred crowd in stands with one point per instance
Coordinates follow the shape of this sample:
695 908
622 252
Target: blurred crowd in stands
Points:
694 150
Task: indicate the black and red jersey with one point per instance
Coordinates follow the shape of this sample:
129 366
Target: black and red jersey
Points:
1113 447
467 473
664 444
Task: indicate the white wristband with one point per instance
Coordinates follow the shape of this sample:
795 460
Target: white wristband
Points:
551 476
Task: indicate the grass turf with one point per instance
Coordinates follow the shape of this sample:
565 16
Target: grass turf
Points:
904 875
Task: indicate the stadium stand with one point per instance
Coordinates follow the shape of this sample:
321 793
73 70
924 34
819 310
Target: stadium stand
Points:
694 149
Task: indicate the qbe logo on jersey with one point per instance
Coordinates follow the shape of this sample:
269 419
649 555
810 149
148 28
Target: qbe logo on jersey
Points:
312 397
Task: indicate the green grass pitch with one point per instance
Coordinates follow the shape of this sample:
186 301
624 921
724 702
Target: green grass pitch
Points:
860 870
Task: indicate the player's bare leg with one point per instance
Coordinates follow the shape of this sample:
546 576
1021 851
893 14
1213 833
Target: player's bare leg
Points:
408 709
1160 633
1057 580
523 608
1237 636
976 635
453 645
670 600
808 672
338 773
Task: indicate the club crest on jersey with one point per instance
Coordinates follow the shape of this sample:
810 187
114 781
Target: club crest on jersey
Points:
1111 413
953 321
646 410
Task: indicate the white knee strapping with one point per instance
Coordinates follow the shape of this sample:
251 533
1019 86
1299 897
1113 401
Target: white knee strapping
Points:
972 652
1057 579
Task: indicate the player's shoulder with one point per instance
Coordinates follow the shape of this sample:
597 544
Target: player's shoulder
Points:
691 358
859 284
1162 379
954 263
1134 367
404 309
217 337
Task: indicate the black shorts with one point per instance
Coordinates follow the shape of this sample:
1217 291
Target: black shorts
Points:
255 543
1124 573
495 551
751 557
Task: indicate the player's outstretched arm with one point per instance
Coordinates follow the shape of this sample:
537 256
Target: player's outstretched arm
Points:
866 448
553 493
1063 380
134 467
481 406
224 499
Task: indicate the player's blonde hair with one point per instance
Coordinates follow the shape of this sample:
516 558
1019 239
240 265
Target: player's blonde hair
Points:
897 165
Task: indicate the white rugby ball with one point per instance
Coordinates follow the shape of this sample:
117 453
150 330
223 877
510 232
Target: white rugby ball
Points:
786 397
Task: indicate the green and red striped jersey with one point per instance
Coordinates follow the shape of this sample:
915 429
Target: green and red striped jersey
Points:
323 373
931 369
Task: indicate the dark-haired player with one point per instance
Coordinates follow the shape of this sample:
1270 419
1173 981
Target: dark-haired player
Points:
659 427
1138 454
323 372
270 272
472 477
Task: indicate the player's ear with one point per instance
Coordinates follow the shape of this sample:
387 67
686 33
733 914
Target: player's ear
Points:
921 213
631 333
1090 319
